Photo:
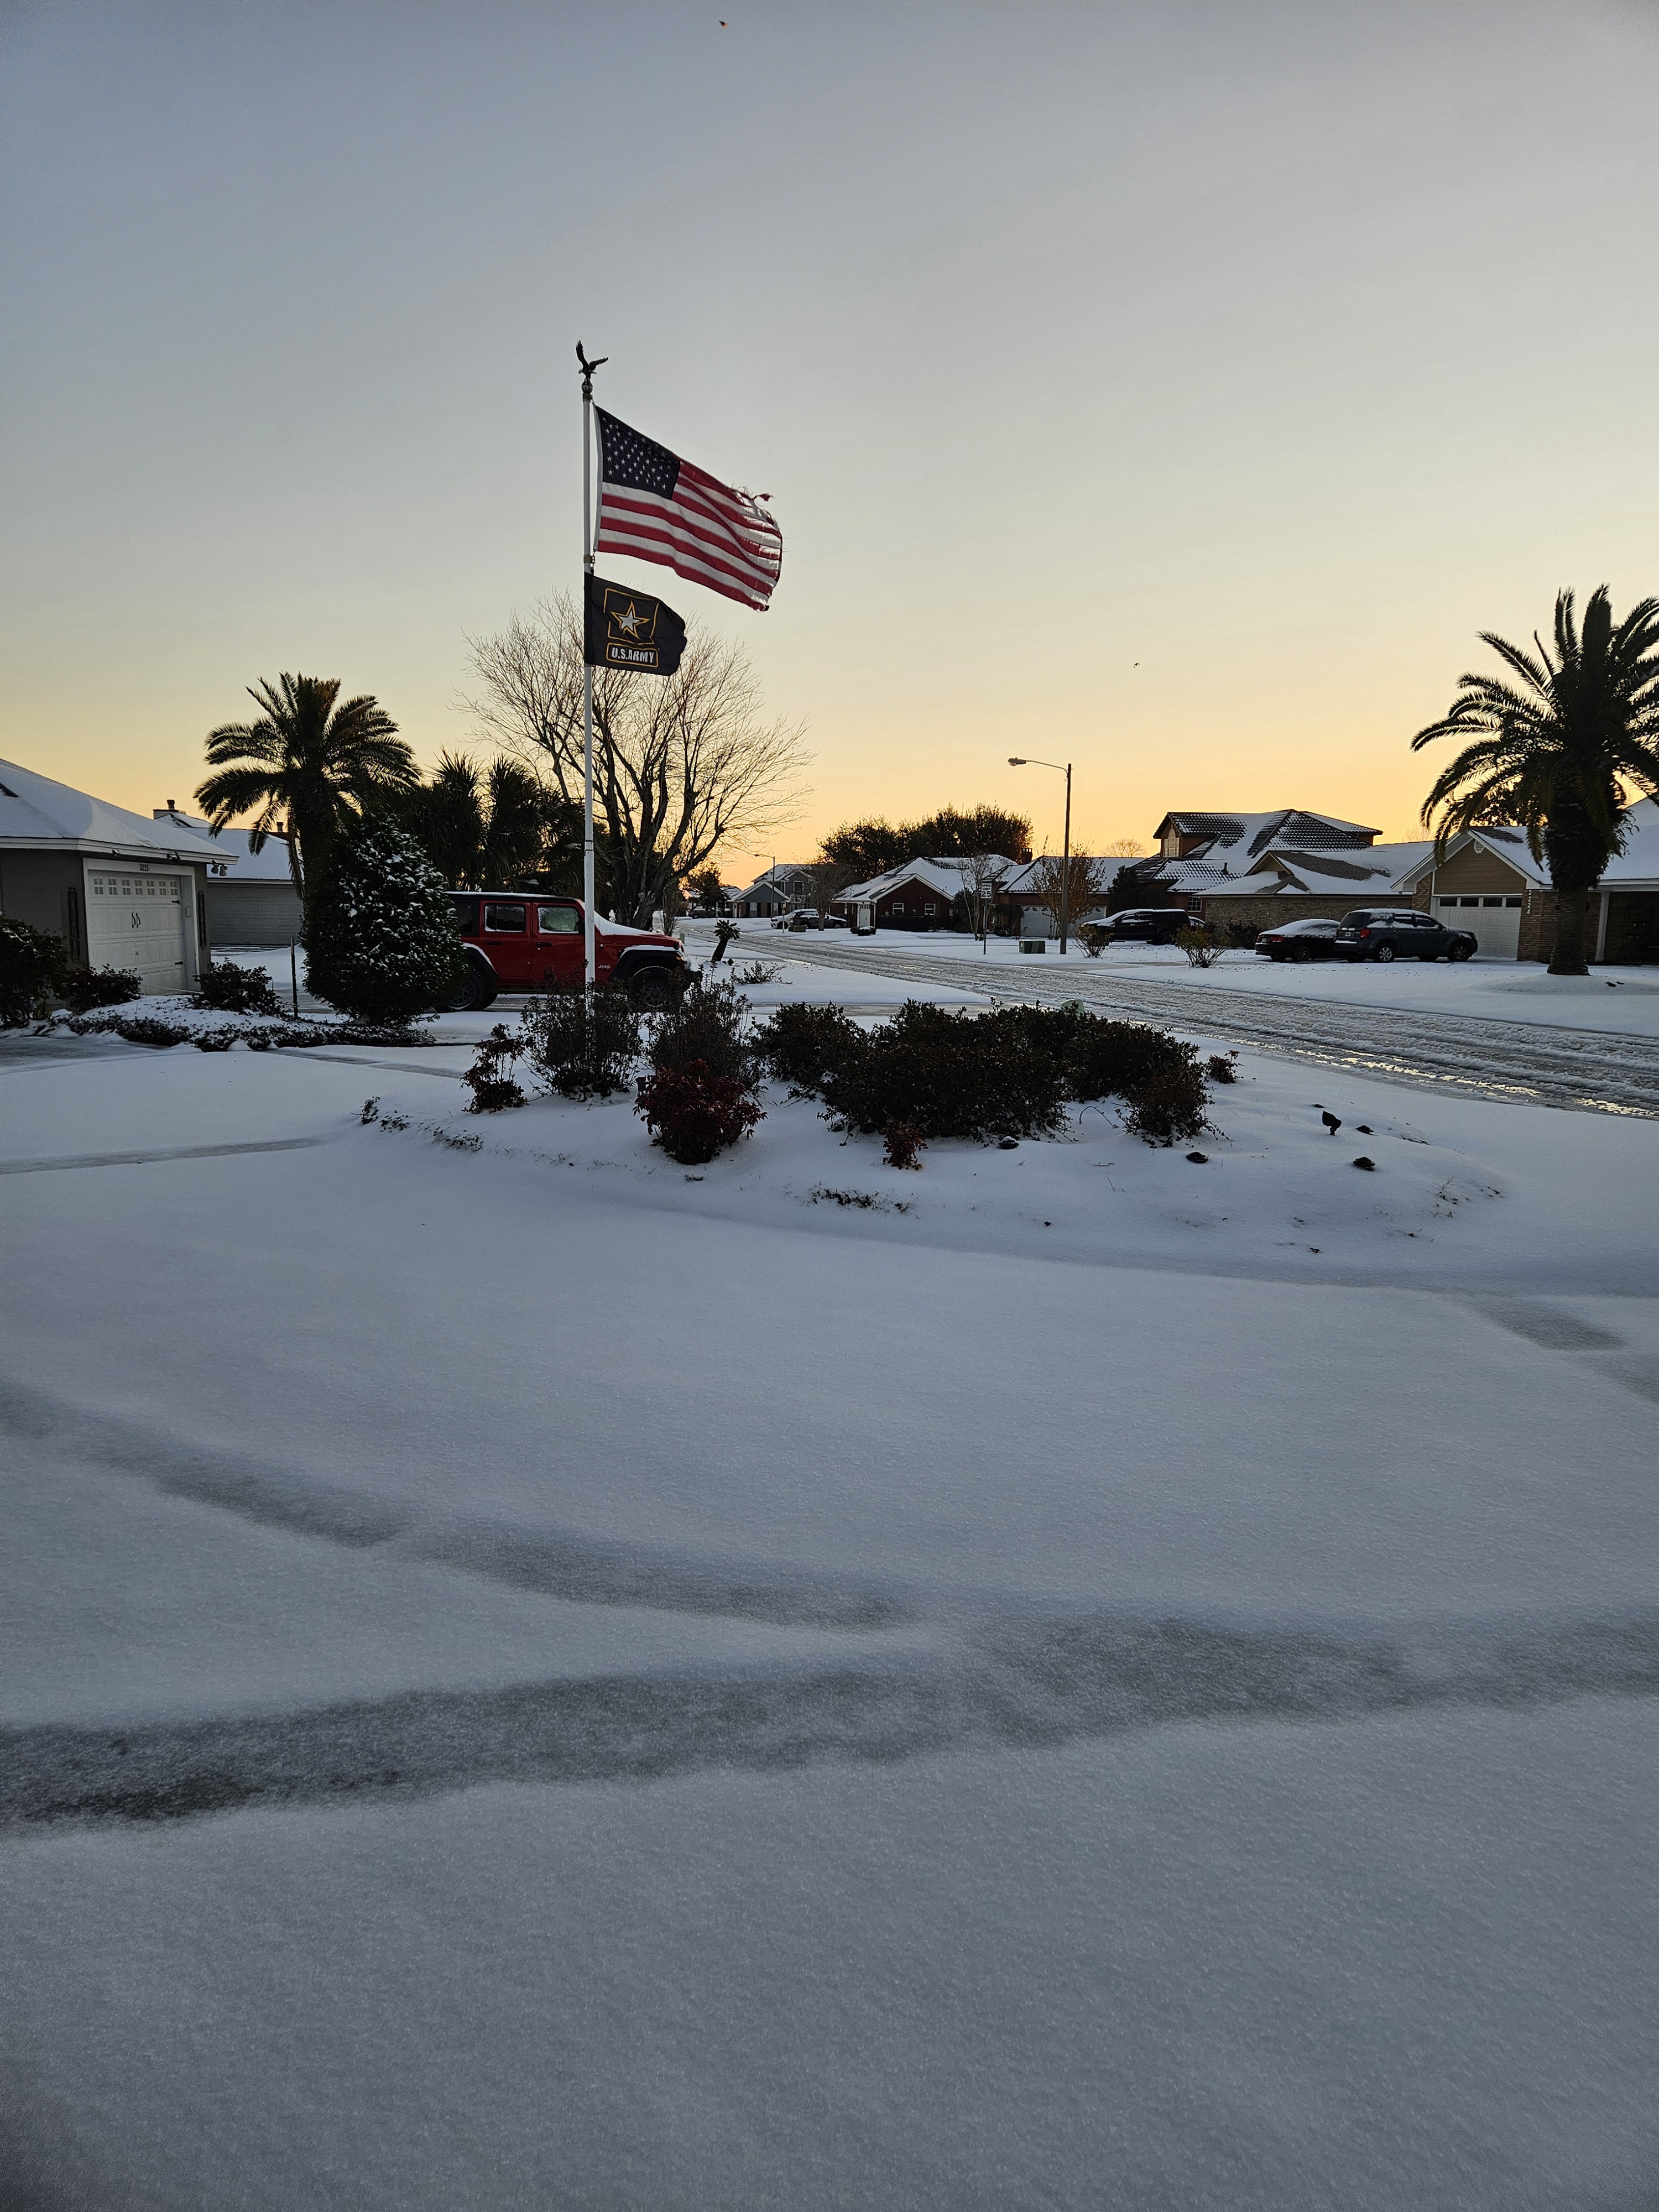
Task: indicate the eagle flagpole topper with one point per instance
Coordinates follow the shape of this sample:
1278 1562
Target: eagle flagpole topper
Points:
655 507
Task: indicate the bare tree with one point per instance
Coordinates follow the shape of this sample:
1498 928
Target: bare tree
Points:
829 880
1124 848
982 874
682 764
1081 885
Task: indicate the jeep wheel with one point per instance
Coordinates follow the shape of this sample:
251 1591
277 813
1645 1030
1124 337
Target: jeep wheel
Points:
655 990
476 991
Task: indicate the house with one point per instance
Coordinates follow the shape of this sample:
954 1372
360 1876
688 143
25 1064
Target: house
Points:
251 897
120 890
1025 911
1286 884
916 895
1499 891
783 886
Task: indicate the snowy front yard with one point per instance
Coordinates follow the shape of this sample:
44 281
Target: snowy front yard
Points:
1072 1677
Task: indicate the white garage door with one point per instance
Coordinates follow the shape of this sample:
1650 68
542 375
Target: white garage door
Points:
1495 921
138 921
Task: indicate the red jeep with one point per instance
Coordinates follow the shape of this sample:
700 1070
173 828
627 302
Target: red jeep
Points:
525 940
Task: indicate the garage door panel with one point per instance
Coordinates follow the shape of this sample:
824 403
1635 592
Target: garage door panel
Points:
1494 922
139 922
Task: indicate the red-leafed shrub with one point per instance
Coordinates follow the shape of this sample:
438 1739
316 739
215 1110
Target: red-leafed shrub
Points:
489 1078
694 1115
900 1143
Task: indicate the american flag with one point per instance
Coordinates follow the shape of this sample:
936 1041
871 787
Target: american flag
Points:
659 508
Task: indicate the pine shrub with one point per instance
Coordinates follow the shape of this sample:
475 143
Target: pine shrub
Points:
33 971
949 1075
695 1114
582 1048
380 935
86 988
225 988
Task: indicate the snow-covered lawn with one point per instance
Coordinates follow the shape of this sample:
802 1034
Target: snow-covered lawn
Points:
1620 1000
1072 1677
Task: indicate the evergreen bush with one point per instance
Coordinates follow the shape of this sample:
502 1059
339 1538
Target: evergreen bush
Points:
582 1048
225 988
380 935
709 1026
801 1044
33 968
85 988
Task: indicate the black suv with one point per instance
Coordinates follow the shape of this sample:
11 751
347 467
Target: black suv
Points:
1400 933
1152 925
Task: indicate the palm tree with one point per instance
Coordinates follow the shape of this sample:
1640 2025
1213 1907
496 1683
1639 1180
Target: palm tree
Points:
1558 754
489 829
304 768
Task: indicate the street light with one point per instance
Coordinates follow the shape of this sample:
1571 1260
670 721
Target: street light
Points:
1015 761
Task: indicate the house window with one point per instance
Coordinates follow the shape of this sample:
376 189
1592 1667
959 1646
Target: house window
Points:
1450 902
930 908
897 907
1491 902
1511 901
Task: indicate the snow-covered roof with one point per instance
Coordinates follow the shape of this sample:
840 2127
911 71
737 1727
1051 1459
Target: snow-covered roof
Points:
1639 862
1024 877
1508 843
34 811
776 878
943 876
1238 837
1372 870
268 866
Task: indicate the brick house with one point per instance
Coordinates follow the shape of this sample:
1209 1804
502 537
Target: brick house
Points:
919 895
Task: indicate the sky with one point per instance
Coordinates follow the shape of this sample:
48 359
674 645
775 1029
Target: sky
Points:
1173 390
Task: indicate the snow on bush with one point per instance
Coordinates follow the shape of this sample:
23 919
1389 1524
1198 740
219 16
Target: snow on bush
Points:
381 938
225 988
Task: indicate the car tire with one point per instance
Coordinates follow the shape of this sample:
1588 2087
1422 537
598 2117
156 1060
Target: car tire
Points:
655 990
1460 953
478 992
1383 952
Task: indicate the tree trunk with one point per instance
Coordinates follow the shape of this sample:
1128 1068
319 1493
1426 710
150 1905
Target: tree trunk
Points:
1572 929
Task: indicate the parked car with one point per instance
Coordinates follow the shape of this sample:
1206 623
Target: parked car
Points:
803 918
1310 939
1150 925
522 941
835 922
1400 933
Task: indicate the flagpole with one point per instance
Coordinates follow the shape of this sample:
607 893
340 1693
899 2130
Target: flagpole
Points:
590 937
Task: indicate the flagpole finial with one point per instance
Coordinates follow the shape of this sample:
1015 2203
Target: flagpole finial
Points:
588 367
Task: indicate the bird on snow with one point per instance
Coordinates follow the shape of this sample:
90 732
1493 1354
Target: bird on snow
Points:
1330 1120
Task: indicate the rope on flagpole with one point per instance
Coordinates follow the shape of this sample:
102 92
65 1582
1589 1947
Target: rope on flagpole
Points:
589 945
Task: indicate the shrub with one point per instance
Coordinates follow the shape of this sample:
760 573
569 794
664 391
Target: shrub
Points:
1096 938
711 1027
1170 1105
582 1048
225 988
487 1080
33 968
1201 947
802 1044
142 1028
1223 1067
85 988
900 1144
694 1113
949 1075
758 971
380 935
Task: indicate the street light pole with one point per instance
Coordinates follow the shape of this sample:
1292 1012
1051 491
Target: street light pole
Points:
1016 760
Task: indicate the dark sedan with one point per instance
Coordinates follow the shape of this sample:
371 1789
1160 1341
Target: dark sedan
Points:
1400 933
1311 939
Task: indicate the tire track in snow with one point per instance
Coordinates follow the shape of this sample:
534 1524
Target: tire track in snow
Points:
1026 1685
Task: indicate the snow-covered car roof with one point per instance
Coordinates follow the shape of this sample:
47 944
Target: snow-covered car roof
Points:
1307 925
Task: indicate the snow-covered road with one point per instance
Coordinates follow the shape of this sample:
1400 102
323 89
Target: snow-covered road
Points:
1551 1064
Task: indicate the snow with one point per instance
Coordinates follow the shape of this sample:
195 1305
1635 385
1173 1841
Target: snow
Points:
1072 1676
